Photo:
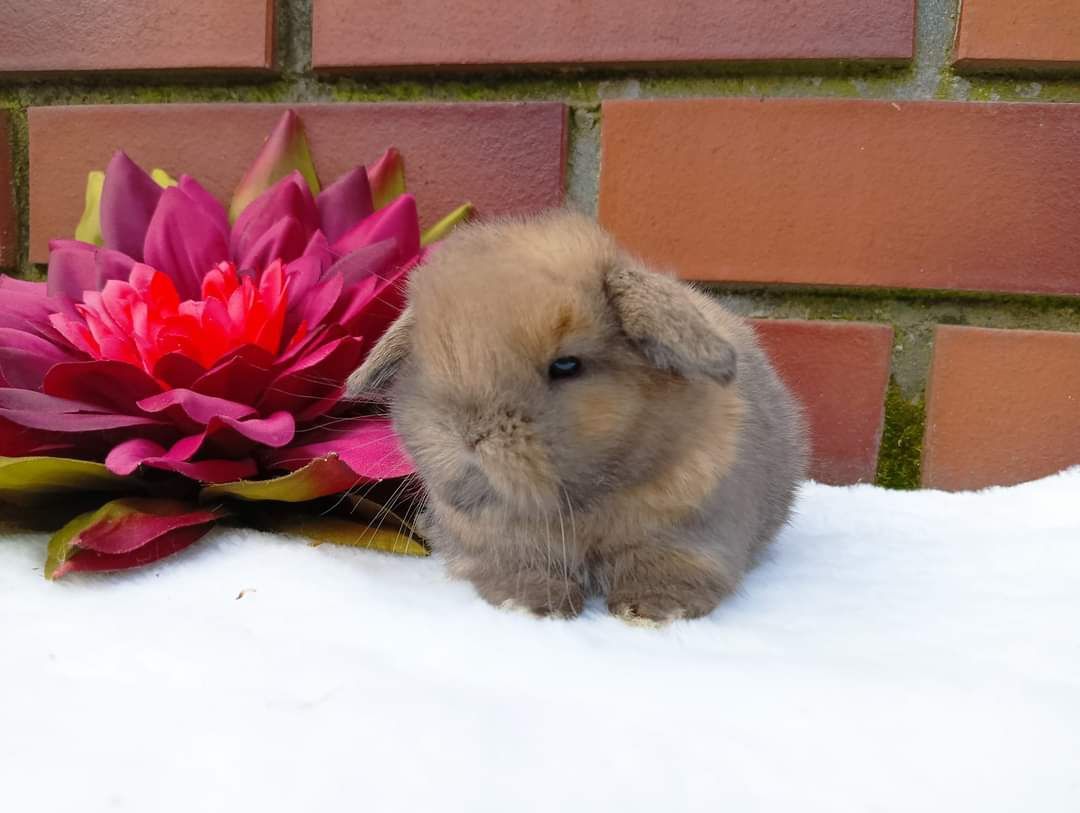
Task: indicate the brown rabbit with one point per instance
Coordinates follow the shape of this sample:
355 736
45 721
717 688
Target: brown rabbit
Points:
583 424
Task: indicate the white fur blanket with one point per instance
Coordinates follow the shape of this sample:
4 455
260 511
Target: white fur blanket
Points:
899 651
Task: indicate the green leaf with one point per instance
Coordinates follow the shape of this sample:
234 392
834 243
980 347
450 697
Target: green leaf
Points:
126 533
163 179
63 544
32 480
319 478
386 177
370 512
89 228
340 531
447 224
285 150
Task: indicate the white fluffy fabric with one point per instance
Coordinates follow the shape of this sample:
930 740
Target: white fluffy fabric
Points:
898 651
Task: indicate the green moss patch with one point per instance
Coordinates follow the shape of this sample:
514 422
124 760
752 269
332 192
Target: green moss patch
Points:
900 458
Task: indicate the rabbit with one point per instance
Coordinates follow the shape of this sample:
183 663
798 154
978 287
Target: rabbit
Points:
583 425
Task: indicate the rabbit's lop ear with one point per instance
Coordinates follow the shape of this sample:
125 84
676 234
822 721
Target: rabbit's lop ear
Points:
371 378
662 318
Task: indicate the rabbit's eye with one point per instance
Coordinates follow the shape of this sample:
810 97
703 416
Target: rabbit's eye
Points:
565 367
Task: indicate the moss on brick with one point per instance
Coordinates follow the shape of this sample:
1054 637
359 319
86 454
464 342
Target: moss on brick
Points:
20 192
421 86
1014 89
900 457
292 36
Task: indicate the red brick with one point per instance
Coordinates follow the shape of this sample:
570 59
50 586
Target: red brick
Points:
8 231
475 33
839 371
844 192
41 36
502 157
1019 34
1003 406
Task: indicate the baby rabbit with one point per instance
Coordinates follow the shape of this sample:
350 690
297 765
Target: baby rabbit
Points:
584 425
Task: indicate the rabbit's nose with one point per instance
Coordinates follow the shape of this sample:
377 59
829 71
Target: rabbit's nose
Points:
475 438
474 428
469 426
494 422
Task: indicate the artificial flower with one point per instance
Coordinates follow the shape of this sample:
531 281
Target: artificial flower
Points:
188 353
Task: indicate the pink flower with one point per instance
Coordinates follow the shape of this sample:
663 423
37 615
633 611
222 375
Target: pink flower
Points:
141 320
212 352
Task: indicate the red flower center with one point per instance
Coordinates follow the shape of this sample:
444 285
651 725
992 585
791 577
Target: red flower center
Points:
143 319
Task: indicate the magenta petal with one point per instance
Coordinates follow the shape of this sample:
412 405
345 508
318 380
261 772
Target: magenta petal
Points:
128 200
289 197
71 270
184 243
110 265
166 544
126 457
300 277
251 353
33 343
322 400
136 530
275 431
344 203
47 449
76 267
322 300
41 411
185 448
313 377
65 244
377 259
74 332
236 379
207 203
282 241
21 369
315 338
26 358
27 308
383 307
367 445
177 370
111 385
40 402
23 286
230 438
398 222
201 409
320 408
318 249
208 471
353 304
18 441
74 421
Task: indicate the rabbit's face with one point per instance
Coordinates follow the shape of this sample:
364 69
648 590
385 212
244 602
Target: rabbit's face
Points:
519 391
522 378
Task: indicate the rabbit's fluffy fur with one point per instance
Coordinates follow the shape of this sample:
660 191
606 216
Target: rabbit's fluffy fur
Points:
652 478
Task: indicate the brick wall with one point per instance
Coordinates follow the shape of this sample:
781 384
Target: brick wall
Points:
891 190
